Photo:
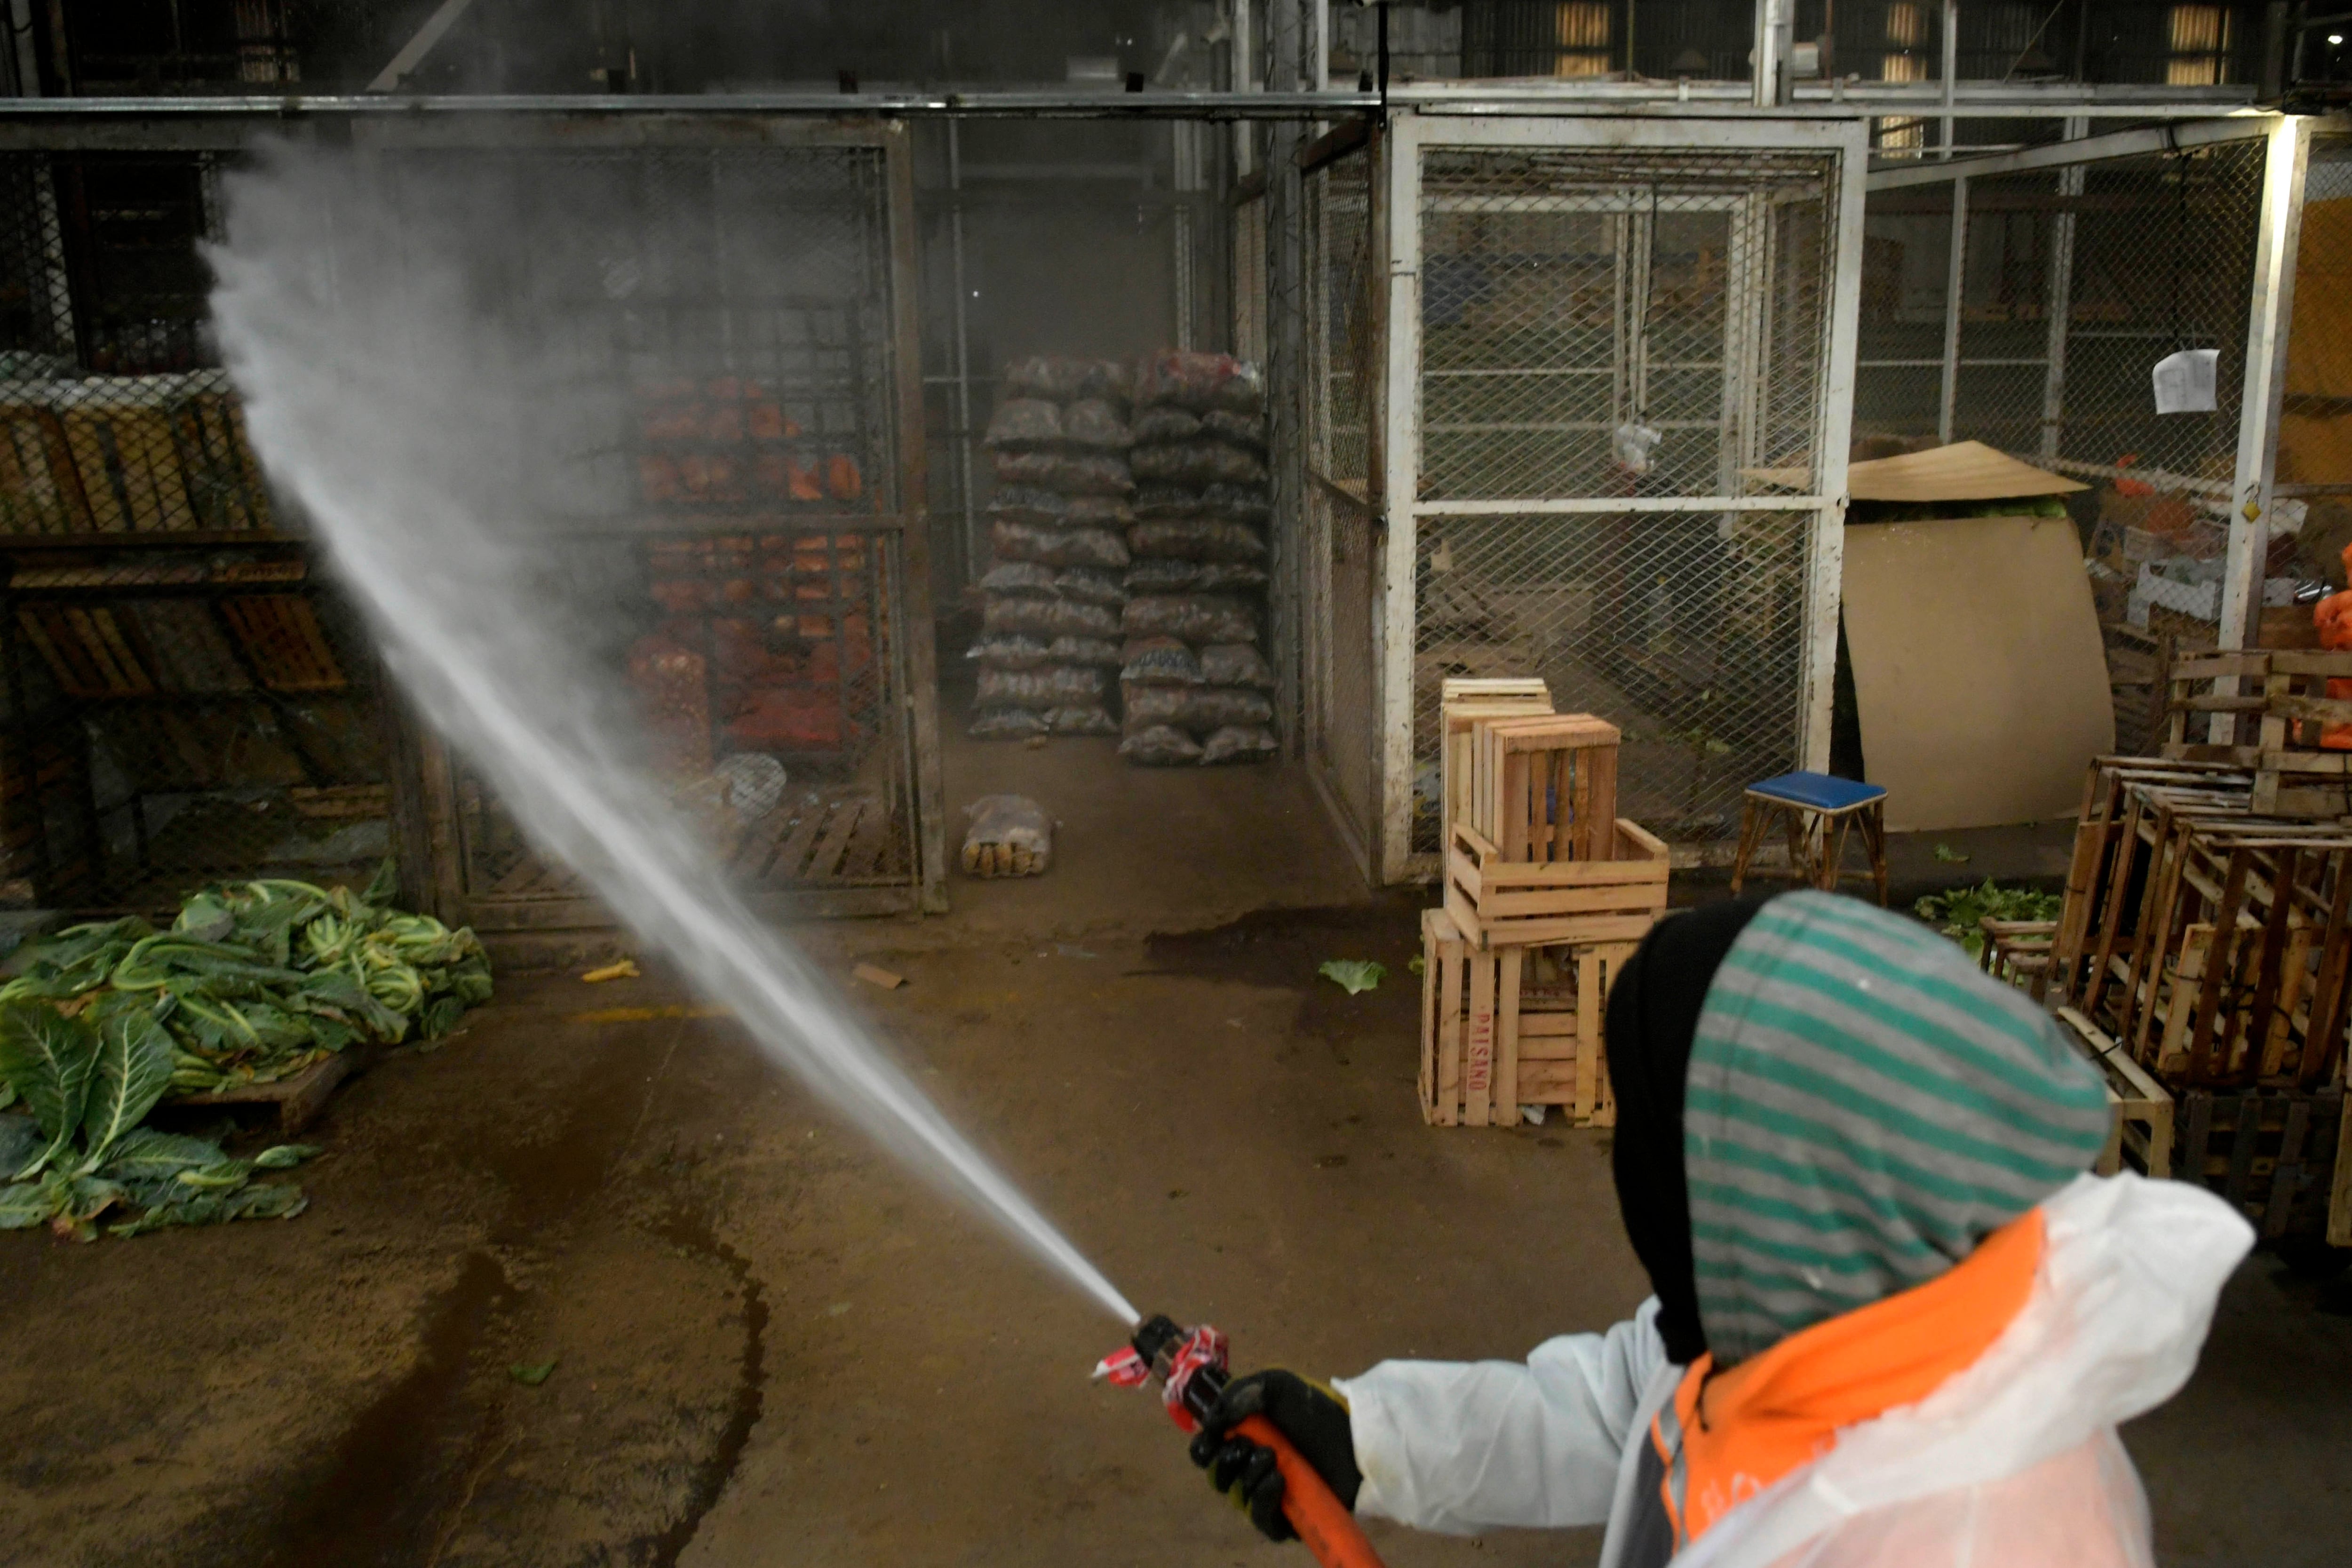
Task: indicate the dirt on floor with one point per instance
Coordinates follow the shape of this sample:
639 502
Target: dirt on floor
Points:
593 1283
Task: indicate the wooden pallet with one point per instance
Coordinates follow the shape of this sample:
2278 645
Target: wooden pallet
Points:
2223 947
1543 787
2141 1128
1519 1025
2286 695
2273 1155
297 1097
1496 902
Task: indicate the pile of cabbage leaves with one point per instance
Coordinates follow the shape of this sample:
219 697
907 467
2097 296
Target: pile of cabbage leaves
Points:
254 981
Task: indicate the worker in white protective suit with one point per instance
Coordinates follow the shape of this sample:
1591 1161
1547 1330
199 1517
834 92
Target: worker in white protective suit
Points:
1894 1322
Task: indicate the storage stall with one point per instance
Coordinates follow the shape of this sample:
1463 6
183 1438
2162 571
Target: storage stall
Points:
1544 352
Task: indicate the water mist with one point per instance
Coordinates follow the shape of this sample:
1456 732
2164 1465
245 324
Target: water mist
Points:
411 378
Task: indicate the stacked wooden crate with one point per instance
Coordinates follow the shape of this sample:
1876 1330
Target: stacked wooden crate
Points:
1547 891
2284 716
2204 955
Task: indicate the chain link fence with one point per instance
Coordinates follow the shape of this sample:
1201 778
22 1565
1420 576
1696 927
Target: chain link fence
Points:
2036 333
1648 327
1339 561
713 339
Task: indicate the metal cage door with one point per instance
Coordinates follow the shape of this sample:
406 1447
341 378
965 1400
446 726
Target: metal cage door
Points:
1618 400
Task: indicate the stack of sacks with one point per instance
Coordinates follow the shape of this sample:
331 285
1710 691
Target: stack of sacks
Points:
1049 625
1193 683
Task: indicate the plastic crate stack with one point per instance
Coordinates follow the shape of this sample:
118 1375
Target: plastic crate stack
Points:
1050 607
1194 684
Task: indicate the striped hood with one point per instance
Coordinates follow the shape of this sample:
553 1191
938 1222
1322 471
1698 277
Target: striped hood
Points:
1863 1107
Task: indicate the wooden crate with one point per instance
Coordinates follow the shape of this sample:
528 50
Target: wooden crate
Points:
2211 943
1543 787
1463 702
1513 1026
1496 902
2140 1129
2284 695
2275 1154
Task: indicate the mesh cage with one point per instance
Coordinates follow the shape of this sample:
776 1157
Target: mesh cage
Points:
1609 325
180 719
1340 565
2072 283
184 702
716 329
722 326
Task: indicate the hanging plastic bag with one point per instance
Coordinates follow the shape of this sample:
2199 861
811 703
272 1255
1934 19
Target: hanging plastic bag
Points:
1632 445
2185 381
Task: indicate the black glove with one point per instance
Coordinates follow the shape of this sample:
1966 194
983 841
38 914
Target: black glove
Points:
1312 1416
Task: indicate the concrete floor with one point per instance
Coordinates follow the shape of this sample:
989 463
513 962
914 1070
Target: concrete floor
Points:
770 1347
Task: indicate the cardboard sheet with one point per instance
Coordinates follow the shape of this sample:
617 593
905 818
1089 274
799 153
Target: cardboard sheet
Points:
1965 471
1977 669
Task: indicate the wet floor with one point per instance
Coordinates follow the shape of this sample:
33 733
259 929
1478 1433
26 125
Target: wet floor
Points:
762 1343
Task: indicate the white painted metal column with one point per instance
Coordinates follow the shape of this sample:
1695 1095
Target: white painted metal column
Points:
1947 389
1395 614
2271 310
1825 588
2058 298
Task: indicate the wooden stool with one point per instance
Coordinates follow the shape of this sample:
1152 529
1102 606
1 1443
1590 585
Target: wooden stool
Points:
1817 810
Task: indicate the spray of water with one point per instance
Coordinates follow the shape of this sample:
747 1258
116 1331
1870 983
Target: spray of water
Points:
417 389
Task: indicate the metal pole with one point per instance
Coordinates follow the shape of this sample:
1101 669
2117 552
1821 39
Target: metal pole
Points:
1951 67
1318 75
1825 584
1764 67
1395 489
2059 299
972 551
25 51
1956 268
2272 311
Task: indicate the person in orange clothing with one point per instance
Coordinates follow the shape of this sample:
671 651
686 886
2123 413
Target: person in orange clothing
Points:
1895 1324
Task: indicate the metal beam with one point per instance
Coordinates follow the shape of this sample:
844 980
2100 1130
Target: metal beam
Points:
412 53
1956 270
1702 99
2083 150
2272 310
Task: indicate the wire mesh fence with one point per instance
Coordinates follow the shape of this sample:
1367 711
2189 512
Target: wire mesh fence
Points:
712 341
2035 328
1338 560
1644 327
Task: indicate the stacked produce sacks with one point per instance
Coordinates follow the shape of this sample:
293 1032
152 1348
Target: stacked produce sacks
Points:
1192 682
1050 619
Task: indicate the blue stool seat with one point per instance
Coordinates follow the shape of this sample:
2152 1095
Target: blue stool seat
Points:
1817 811
1820 792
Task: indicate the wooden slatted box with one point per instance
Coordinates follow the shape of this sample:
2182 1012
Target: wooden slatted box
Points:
1513 1026
1463 701
1545 787
1496 902
2287 697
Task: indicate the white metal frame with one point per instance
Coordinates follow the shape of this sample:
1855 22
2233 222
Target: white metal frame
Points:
1399 513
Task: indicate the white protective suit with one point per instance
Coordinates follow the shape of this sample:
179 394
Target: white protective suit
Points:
2013 1462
